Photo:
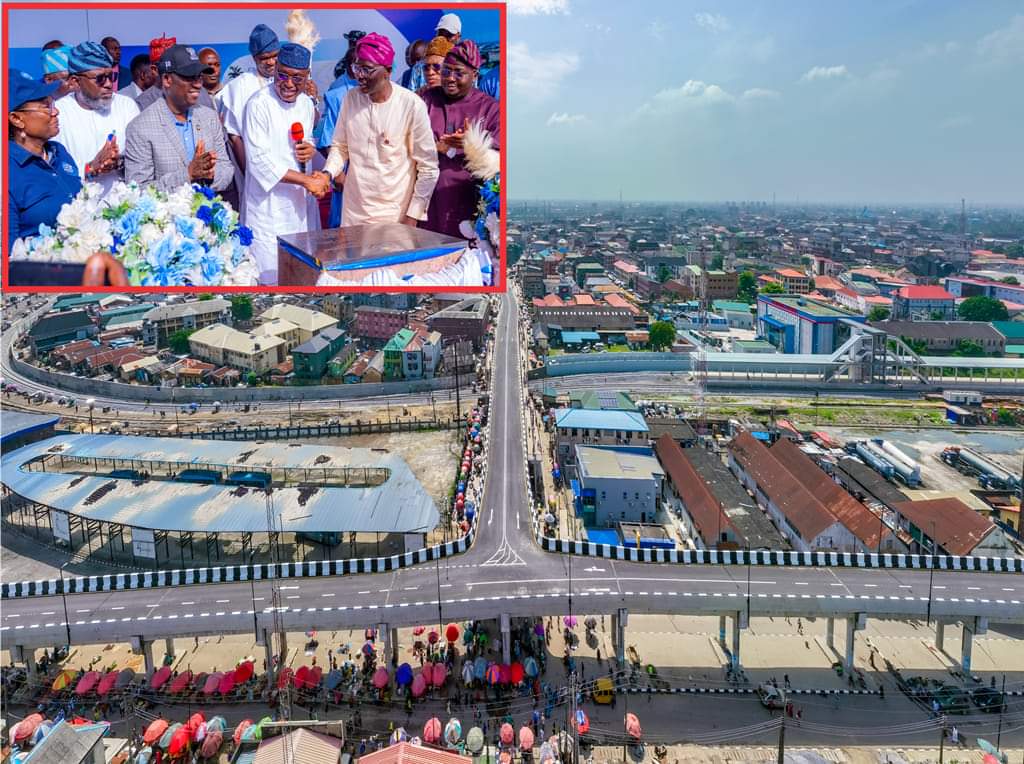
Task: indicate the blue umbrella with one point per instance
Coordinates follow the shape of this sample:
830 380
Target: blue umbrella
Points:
470 514
333 679
479 668
404 674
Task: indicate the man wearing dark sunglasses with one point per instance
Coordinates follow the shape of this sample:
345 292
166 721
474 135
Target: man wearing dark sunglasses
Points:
94 118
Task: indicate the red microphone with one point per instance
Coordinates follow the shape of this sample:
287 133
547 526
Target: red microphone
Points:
297 134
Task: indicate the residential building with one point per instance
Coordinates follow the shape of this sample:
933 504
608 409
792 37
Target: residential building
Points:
161 322
1013 337
923 303
342 360
963 286
311 358
375 368
943 336
589 427
309 322
948 526
737 315
225 346
394 351
55 329
794 281
280 327
617 485
796 324
465 320
604 400
378 324
121 314
339 307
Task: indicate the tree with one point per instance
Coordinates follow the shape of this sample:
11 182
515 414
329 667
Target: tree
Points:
205 296
717 262
252 379
771 288
1012 280
969 349
878 313
918 346
746 288
241 307
664 274
981 308
179 341
662 334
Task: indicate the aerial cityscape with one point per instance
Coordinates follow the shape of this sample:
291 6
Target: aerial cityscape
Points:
732 471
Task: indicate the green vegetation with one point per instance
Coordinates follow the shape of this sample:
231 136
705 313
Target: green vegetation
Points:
878 313
771 288
179 341
205 296
746 290
619 349
664 274
969 349
981 308
1012 280
241 307
717 262
662 334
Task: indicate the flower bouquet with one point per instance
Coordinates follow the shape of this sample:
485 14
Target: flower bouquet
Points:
189 237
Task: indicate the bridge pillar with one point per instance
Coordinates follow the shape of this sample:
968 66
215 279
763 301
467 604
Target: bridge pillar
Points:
506 638
739 622
169 646
620 619
940 634
854 624
26 655
830 632
721 630
144 648
266 639
389 642
972 626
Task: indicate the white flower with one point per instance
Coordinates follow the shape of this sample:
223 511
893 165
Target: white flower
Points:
149 234
244 274
73 214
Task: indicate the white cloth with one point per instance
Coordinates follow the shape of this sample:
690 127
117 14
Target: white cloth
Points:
273 208
392 157
131 90
467 272
235 95
84 131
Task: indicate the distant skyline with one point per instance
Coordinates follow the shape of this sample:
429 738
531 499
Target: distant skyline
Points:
905 102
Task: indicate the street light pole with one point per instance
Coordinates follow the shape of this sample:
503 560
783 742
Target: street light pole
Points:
64 598
252 589
931 574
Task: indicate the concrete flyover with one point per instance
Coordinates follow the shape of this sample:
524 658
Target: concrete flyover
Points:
505 571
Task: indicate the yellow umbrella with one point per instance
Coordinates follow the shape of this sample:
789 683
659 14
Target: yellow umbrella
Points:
64 678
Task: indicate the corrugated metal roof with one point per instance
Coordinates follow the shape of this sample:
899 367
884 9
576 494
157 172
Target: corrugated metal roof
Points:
400 505
407 753
596 419
955 526
14 424
304 747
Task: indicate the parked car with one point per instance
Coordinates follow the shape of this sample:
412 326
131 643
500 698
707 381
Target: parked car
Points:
988 699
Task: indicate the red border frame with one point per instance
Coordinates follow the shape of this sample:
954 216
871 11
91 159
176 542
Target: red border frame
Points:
501 277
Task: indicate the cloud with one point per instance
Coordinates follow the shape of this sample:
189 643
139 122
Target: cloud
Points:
825 73
691 94
754 94
538 7
565 119
1004 44
657 29
714 22
538 75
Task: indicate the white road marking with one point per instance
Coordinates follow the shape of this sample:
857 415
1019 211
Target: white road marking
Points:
222 601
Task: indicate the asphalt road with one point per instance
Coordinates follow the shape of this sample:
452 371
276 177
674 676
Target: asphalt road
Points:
505 572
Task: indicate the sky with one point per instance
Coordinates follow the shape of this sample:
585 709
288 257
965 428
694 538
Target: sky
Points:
899 101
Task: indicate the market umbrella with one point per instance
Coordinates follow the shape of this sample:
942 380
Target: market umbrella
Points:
227 683
547 753
313 677
154 731
87 682
283 678
467 672
493 675
439 674
216 723
243 671
380 678
419 630
27 727
107 683
570 621
165 739
451 632
199 680
333 679
63 679
506 733
480 667
582 721
240 729
517 672
212 682
530 666
194 722
538 629
525 738
212 744
432 730
399 735
404 675
144 756
419 686
258 733
475 740
452 731
180 682
301 674
433 636
125 678
162 675
988 758
179 743
633 726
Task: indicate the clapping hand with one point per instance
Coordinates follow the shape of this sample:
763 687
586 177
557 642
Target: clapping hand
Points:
108 159
454 140
202 164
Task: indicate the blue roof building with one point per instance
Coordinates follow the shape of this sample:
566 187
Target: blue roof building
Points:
596 427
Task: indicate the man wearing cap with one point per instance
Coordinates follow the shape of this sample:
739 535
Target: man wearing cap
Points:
55 69
94 117
451 108
175 141
157 48
450 26
280 197
384 135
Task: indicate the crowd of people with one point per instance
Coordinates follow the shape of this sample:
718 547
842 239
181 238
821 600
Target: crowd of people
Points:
390 151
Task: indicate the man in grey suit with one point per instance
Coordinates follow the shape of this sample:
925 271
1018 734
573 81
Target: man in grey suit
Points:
174 140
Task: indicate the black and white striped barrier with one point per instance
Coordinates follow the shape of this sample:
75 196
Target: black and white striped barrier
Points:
222 574
784 559
732 691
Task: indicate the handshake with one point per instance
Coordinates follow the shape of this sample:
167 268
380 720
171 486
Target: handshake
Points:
319 183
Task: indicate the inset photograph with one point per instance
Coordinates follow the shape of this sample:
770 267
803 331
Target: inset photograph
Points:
254 147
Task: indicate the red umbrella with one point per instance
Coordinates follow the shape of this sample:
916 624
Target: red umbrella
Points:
192 725
525 738
154 731
432 730
439 674
300 676
452 632
27 727
313 677
107 682
380 678
161 676
227 683
419 686
633 726
242 725
243 672
212 744
87 682
505 673
283 678
507 734
179 743
180 682
212 683
517 672
432 637
419 630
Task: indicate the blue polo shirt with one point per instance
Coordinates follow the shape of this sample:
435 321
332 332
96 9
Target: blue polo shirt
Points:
37 189
187 135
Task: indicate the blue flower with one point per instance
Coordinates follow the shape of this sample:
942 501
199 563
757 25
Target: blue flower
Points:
211 269
206 191
128 224
244 235
189 254
45 230
187 227
118 241
159 258
221 218
205 214
146 206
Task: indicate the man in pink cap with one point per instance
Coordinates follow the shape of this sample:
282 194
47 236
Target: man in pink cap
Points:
384 134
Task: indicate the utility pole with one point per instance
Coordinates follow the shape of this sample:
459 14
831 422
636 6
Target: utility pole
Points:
275 605
782 741
942 739
1002 708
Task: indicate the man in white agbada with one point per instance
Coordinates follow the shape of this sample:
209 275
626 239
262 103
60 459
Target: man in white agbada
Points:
384 133
280 198
93 117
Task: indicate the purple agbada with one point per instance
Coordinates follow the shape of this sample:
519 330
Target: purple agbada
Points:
455 195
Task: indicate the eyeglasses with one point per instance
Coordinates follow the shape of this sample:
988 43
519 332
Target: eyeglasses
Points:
432 67
459 74
296 79
193 78
365 71
100 79
50 108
